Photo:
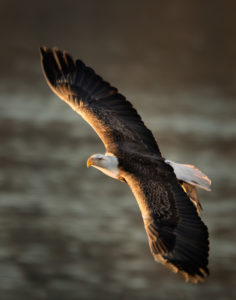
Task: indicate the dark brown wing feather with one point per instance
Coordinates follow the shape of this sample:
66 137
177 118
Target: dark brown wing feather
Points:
177 236
113 118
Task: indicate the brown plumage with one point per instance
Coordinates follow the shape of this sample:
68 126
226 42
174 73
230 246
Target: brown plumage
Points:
177 236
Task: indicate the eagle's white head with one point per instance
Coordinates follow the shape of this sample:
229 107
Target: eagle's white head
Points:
107 163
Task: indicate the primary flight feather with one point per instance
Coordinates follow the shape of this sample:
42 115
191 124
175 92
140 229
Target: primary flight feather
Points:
165 191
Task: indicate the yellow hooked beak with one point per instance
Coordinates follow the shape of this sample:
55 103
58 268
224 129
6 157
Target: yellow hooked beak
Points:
89 162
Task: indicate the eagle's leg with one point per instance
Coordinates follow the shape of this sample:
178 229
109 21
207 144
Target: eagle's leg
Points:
121 179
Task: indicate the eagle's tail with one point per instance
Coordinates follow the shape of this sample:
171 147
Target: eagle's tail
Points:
191 175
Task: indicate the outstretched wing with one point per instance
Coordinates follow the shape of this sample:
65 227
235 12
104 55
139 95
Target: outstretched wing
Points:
177 236
113 118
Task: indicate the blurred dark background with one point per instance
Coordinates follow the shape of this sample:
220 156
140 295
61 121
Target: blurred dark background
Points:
71 233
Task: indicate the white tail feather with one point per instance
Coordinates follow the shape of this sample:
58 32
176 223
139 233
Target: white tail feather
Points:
191 175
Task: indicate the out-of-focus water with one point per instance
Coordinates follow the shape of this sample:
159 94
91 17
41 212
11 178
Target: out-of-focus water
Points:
71 233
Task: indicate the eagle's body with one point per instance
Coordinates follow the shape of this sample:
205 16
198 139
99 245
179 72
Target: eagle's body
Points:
165 191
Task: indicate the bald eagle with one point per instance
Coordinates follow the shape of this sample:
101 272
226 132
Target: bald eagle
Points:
165 191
